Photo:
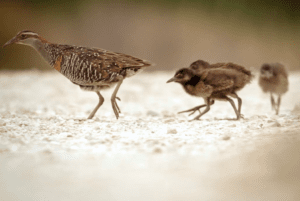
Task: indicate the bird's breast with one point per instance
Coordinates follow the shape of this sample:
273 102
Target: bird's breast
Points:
200 90
132 71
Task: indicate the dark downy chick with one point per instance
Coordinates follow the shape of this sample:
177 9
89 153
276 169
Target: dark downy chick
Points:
244 76
274 79
212 84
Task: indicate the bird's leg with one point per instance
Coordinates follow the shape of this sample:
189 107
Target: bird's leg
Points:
193 110
273 102
233 105
278 104
208 103
101 100
114 97
239 104
197 108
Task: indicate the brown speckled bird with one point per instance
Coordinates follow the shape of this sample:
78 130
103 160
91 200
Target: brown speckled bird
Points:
274 79
92 69
213 84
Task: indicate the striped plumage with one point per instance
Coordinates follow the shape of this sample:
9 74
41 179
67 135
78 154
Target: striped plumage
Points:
93 69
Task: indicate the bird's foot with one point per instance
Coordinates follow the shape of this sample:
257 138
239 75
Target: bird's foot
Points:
195 119
115 106
193 110
241 116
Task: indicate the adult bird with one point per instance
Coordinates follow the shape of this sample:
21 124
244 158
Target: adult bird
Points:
92 69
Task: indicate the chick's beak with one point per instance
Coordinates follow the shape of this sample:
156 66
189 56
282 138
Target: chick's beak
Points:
173 79
11 41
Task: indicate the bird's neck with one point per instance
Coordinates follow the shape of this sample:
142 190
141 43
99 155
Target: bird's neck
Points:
193 81
41 47
44 48
189 86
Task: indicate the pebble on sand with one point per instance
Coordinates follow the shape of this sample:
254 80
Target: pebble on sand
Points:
172 131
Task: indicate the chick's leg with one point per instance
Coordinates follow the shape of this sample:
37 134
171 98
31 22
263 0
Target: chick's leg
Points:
234 107
208 103
273 102
278 104
197 108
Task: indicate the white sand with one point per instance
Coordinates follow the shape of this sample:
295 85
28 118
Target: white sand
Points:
49 151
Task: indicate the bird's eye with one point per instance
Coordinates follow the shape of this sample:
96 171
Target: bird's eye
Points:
266 68
23 36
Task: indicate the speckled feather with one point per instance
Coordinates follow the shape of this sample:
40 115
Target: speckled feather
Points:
94 67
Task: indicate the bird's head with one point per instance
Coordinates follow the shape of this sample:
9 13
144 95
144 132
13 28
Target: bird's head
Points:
266 71
24 37
182 76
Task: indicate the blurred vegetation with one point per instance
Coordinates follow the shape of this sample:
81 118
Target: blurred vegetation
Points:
255 9
237 30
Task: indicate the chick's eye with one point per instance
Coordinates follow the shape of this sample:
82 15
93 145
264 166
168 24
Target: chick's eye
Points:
266 68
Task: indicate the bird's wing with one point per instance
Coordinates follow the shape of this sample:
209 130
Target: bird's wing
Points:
218 65
219 79
119 60
280 69
223 85
94 65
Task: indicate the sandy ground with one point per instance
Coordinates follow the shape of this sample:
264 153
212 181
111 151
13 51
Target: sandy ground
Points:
49 151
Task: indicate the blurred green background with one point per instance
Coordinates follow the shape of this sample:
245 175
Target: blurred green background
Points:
171 34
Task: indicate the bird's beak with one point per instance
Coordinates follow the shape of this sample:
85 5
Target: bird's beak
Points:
11 41
173 79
